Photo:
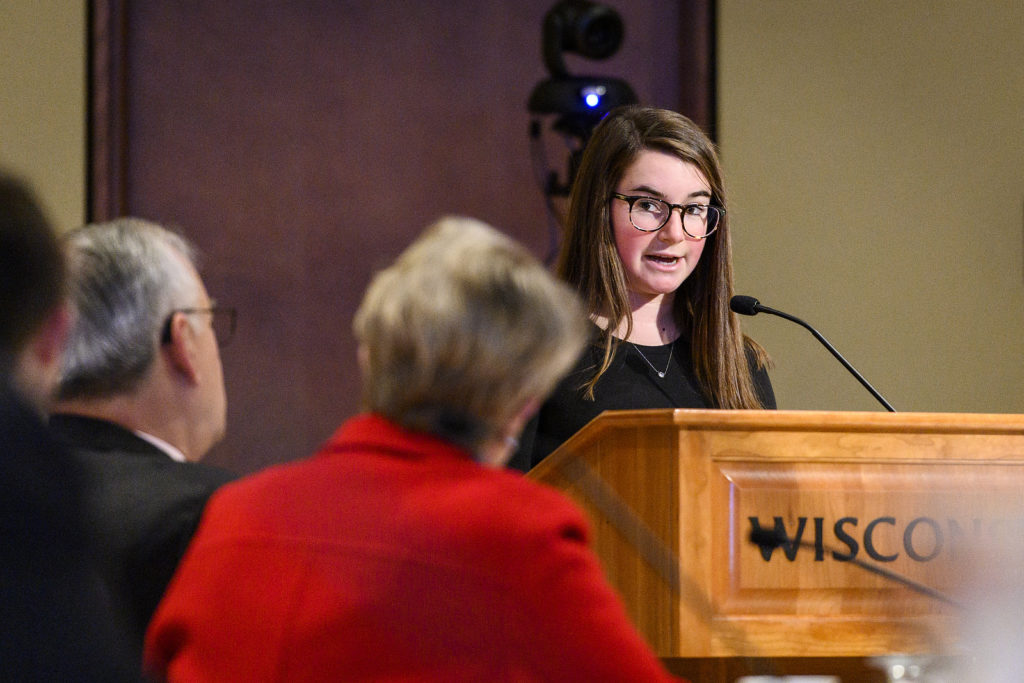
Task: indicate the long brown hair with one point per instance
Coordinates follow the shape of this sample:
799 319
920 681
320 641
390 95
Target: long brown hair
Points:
589 261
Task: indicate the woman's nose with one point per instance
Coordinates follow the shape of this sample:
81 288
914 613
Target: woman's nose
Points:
672 231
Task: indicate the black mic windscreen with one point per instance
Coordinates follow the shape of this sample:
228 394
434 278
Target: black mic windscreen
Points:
744 305
767 538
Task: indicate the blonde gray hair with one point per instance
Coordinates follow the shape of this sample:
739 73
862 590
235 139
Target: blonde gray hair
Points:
125 278
462 331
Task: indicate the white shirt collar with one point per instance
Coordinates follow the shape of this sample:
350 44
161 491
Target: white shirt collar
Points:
172 452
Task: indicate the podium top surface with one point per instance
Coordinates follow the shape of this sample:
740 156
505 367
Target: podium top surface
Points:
816 420
868 424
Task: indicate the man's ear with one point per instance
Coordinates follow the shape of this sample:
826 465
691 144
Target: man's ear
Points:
48 343
37 369
181 348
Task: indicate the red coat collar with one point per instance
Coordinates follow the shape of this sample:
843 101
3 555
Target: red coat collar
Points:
376 432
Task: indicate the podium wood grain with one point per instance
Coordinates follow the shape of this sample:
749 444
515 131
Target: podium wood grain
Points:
918 489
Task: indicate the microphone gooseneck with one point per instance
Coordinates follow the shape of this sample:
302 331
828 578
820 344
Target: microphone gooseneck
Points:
748 305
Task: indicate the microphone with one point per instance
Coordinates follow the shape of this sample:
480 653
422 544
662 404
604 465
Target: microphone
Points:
769 539
748 305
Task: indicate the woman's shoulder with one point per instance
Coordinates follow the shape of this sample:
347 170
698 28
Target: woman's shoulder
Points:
504 491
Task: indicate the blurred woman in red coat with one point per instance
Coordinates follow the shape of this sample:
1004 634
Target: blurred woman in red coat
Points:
403 551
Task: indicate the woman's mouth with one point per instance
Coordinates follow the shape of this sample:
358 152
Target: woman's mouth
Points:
662 259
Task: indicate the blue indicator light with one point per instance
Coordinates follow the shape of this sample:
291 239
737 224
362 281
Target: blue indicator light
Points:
592 95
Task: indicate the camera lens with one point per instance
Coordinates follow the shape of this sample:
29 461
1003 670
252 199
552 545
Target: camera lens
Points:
599 33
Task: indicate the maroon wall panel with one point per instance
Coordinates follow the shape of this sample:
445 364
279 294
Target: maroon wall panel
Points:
303 144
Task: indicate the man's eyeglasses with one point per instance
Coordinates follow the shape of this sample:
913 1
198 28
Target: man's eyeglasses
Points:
222 319
649 214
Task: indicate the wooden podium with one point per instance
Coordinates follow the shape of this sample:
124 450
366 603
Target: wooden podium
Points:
674 494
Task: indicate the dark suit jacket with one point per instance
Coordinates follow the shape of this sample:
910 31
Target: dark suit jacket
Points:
56 620
142 506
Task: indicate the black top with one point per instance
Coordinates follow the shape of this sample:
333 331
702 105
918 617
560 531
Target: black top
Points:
56 619
630 383
142 507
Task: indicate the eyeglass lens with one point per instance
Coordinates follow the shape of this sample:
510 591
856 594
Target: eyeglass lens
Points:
650 214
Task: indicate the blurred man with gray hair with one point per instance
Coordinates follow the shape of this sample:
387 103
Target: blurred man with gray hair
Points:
141 400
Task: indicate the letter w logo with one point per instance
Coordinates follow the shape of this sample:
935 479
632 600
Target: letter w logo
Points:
790 546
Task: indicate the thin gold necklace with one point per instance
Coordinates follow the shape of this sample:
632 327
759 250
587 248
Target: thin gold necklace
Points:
660 373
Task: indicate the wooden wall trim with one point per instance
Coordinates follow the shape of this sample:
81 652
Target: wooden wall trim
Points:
107 110
697 44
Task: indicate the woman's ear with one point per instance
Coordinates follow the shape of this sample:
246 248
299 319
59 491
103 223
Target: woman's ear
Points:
181 348
523 416
497 452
